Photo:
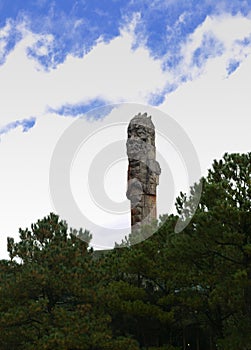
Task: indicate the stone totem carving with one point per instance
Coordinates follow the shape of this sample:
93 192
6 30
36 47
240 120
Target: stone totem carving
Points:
143 170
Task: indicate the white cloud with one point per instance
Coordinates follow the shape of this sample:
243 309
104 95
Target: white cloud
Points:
225 33
213 107
4 33
111 70
24 186
215 110
226 28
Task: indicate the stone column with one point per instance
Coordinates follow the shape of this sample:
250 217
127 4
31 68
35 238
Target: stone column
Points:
143 171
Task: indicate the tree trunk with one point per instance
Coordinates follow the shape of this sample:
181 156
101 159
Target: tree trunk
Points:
184 339
197 339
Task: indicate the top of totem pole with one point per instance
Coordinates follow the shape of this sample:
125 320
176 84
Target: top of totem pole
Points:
142 119
141 126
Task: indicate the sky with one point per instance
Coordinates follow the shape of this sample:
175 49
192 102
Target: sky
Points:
187 63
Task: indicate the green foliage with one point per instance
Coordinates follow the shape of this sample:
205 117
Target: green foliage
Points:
215 249
50 298
170 290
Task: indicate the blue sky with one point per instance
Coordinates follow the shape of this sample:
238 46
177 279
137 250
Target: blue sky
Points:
59 59
74 29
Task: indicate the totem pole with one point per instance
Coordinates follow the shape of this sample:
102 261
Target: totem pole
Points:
143 171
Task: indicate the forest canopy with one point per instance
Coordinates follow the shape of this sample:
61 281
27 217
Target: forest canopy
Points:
187 290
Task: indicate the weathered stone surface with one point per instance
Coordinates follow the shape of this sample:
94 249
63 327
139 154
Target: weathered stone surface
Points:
143 170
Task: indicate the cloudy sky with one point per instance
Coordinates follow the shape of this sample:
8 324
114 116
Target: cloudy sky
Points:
191 60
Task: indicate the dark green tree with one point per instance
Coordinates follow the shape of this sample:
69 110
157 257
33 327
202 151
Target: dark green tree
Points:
137 282
213 255
170 290
199 279
49 293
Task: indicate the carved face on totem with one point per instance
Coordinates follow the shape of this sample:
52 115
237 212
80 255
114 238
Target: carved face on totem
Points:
141 128
141 135
143 170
